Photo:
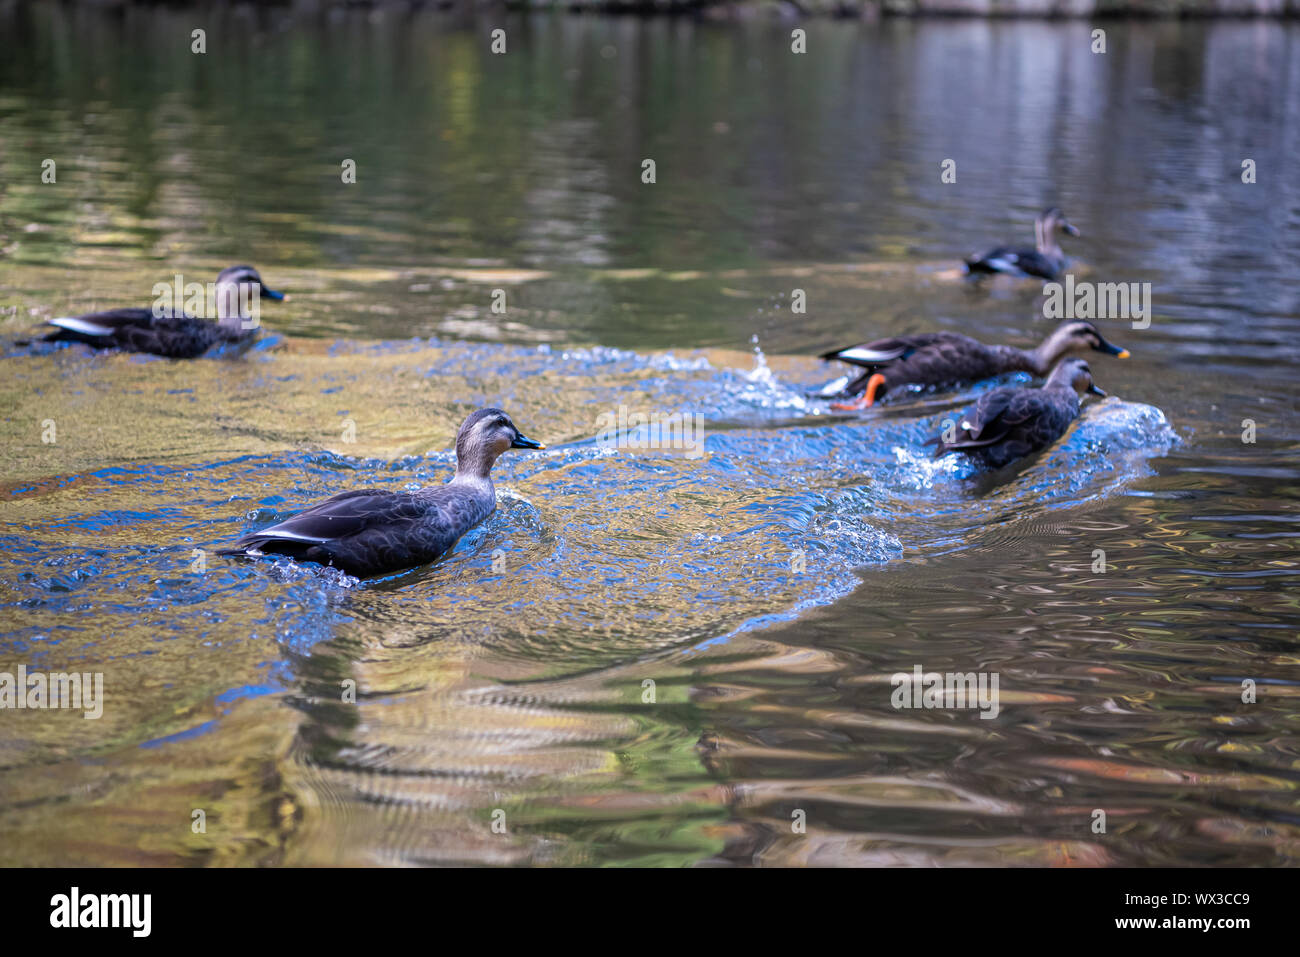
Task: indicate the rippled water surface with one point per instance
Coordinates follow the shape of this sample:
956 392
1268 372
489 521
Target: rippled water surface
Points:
647 656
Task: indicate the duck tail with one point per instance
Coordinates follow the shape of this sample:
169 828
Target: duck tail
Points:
258 544
842 388
252 544
941 447
964 446
74 329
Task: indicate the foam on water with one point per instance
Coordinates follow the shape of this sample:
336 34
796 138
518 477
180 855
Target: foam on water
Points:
594 554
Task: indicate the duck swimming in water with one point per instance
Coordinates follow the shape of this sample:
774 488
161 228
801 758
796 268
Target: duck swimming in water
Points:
1045 261
939 359
1009 423
372 531
171 333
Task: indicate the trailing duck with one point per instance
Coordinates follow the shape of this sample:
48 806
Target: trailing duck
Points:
1009 423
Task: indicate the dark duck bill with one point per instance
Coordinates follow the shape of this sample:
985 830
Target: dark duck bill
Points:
373 531
523 442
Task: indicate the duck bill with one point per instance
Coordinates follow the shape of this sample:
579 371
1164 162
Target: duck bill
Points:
523 442
1093 390
268 293
1069 229
1110 348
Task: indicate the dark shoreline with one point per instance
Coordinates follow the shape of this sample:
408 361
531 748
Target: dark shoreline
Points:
793 10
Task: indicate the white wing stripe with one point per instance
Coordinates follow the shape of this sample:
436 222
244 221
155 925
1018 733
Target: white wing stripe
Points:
85 327
292 536
868 355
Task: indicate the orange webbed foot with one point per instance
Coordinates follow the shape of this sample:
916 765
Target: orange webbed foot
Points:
867 399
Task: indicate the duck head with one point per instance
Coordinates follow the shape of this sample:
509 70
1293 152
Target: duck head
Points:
1075 336
1074 374
483 436
1050 222
233 281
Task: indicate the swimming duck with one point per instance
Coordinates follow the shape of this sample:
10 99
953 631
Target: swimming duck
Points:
372 531
173 333
1010 423
949 358
1045 261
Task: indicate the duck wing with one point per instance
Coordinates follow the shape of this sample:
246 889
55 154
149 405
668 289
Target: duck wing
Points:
98 325
177 335
1014 262
928 359
1033 263
343 515
881 352
1001 410
993 419
999 259
371 531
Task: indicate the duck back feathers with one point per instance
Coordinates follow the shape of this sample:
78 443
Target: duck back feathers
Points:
1015 262
1044 261
372 531
930 359
171 334
1009 423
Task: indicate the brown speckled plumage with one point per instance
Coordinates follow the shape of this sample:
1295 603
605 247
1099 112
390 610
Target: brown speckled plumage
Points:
1009 423
372 531
946 359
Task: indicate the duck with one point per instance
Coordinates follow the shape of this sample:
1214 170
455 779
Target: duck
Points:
939 359
1009 423
1045 261
172 333
371 532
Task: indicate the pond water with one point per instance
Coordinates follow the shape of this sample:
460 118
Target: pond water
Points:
647 657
